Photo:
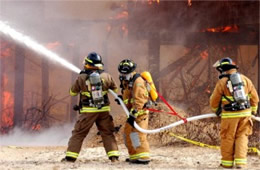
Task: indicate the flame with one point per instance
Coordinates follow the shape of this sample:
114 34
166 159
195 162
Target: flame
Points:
229 28
189 3
7 113
122 15
5 51
204 54
150 2
36 127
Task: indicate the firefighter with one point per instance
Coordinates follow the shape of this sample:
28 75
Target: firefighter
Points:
234 99
135 96
92 85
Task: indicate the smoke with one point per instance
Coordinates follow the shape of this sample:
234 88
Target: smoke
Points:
54 136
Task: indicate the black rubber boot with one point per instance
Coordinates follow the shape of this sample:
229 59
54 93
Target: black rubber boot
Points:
139 161
68 159
113 158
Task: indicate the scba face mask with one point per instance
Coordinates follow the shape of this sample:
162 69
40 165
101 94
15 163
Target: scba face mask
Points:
126 77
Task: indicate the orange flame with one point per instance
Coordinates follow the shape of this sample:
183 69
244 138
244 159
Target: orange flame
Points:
204 54
229 28
7 110
36 127
189 3
5 51
150 2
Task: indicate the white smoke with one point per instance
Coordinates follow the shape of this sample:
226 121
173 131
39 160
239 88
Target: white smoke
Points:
54 136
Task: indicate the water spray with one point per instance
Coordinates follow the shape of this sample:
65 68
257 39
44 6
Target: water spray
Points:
26 40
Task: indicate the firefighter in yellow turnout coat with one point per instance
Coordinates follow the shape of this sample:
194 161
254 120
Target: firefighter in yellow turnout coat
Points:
94 108
135 96
236 96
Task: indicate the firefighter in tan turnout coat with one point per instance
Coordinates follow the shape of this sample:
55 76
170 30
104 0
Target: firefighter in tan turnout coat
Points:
135 96
234 99
92 85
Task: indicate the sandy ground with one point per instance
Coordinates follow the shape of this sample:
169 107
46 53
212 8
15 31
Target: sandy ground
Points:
166 157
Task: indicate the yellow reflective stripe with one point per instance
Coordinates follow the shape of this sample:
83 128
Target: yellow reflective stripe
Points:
214 109
138 84
72 154
85 93
140 155
104 93
229 97
227 163
240 161
223 63
88 60
112 153
140 112
94 109
131 100
125 101
254 108
235 114
72 93
115 90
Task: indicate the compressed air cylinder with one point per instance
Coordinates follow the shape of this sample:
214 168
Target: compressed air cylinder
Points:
238 89
147 76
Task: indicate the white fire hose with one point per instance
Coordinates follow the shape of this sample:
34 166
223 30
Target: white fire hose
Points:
209 115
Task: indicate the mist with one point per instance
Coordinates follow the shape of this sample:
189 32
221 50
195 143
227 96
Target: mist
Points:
54 136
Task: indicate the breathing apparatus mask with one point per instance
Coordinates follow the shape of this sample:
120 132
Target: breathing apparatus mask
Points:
96 90
125 77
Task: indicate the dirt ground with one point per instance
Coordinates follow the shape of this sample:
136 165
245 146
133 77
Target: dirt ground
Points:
44 150
170 157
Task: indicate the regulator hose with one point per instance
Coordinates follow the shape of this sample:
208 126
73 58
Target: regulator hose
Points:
209 115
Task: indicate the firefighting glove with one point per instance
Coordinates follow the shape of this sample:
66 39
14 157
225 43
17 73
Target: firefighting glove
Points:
131 120
117 100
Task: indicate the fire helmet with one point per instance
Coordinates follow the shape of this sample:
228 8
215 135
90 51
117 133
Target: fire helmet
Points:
126 66
225 64
93 59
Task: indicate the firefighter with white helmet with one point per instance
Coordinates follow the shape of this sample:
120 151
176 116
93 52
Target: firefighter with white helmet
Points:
234 99
135 96
92 85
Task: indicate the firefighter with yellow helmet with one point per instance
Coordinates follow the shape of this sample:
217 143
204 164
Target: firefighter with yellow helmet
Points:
92 85
136 97
234 99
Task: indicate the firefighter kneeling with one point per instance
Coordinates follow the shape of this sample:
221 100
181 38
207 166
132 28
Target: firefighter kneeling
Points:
93 85
234 99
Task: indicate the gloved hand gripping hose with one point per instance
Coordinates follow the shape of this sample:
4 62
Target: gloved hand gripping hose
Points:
170 125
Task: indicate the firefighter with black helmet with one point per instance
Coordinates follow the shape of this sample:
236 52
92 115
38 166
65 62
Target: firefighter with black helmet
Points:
135 96
234 99
92 85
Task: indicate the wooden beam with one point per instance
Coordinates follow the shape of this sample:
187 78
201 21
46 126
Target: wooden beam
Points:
19 85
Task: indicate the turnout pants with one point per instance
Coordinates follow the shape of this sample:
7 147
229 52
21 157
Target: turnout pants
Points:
105 125
135 141
234 134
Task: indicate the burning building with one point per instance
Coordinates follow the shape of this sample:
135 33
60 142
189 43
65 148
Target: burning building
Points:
177 41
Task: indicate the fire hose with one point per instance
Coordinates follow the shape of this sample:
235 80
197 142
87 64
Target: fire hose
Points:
209 115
